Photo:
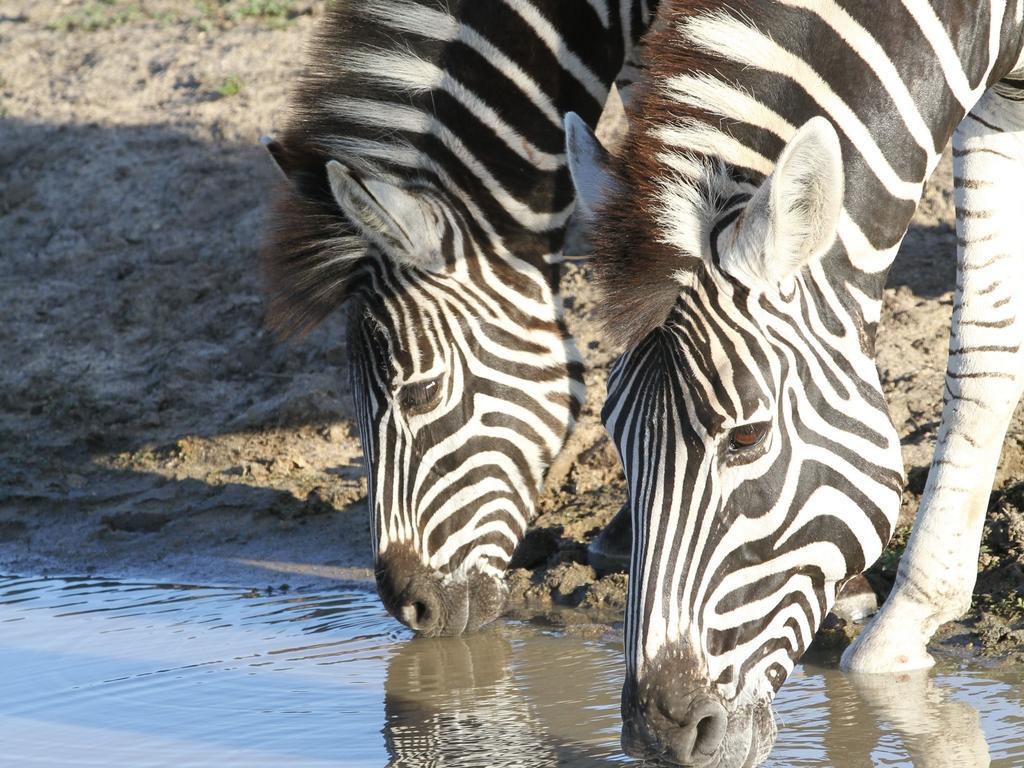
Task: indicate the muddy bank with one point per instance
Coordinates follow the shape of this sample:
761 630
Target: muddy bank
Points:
150 427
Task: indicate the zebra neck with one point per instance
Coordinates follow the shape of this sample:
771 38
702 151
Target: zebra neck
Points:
465 97
732 86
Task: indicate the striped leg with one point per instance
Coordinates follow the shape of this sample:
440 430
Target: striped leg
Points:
984 379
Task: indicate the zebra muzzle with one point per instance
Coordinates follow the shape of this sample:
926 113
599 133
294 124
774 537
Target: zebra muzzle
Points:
672 715
432 604
682 729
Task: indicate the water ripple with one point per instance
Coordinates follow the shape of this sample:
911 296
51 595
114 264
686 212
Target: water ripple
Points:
98 672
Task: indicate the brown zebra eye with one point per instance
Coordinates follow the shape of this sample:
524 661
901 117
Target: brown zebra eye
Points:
748 436
419 396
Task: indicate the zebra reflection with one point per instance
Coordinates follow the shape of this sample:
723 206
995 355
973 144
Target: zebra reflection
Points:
937 730
859 721
516 697
492 699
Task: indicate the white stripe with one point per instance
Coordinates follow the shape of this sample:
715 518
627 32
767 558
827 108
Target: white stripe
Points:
409 72
412 18
407 118
711 94
868 49
935 33
723 35
568 60
419 20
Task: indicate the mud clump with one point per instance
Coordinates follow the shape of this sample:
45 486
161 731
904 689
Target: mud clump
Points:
564 584
606 594
1000 636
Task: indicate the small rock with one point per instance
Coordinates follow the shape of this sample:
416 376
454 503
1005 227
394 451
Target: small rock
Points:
136 522
336 433
568 582
256 470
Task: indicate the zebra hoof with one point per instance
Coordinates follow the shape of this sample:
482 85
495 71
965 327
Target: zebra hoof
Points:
856 601
887 648
609 552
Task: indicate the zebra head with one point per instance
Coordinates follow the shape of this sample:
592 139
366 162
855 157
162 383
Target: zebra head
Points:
763 469
465 380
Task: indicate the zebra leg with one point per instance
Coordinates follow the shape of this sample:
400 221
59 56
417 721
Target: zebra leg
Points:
984 379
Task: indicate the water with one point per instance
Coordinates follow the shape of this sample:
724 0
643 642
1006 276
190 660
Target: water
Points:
95 672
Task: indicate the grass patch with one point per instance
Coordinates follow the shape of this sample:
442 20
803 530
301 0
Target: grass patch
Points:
232 86
272 13
96 15
265 9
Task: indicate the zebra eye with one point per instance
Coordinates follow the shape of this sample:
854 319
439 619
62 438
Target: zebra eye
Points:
748 436
420 396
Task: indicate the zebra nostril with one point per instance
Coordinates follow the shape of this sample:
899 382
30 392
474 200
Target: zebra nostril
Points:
410 591
419 611
711 726
690 729
415 614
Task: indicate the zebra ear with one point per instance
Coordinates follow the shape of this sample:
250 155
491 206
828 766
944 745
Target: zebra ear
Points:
392 218
588 165
793 217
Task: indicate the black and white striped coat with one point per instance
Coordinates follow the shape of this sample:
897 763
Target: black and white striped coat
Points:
777 154
427 185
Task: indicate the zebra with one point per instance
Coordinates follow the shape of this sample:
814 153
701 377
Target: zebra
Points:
777 153
426 187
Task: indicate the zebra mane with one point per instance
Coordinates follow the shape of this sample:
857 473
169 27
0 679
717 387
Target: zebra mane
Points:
364 98
668 181
311 254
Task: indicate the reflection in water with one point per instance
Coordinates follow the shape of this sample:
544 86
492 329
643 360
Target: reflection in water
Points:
937 730
455 698
927 720
114 674
510 696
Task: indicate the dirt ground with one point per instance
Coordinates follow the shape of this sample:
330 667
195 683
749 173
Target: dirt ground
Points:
150 427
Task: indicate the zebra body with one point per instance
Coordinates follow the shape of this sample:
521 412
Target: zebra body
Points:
427 186
778 152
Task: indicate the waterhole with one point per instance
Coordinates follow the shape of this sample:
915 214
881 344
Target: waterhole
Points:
96 672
